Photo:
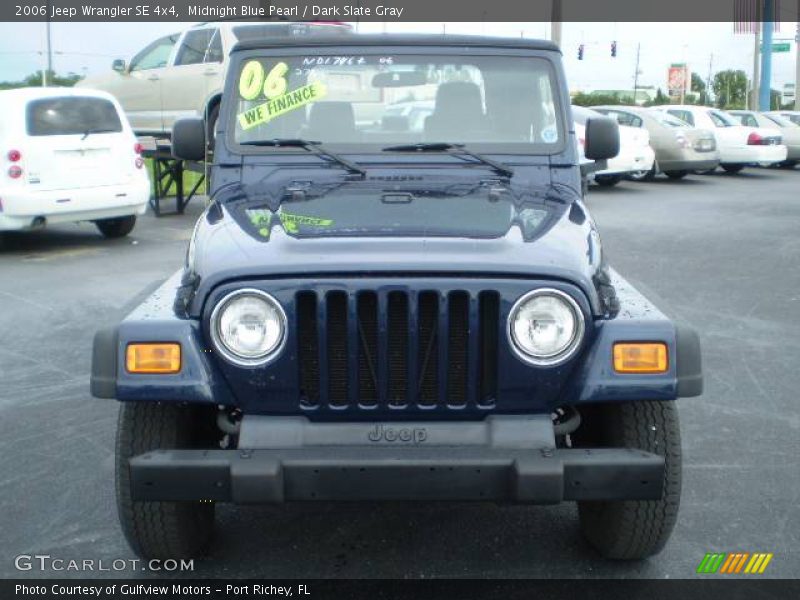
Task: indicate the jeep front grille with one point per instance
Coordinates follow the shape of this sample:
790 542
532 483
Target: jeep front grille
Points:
397 349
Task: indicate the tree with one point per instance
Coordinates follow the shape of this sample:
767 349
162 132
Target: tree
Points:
35 80
660 99
699 87
730 89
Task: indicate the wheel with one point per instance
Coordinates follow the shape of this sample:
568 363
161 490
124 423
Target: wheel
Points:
644 175
707 171
732 168
788 164
676 174
607 180
161 529
117 227
633 529
211 126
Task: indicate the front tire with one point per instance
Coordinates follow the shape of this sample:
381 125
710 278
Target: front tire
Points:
116 228
732 168
644 175
676 174
212 117
633 529
161 529
607 180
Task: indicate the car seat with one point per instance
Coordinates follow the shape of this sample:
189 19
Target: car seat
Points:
458 114
331 122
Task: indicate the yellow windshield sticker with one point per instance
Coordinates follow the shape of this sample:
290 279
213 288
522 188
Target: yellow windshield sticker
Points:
292 222
264 113
252 82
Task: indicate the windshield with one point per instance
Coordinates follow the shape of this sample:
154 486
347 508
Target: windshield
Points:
720 119
374 101
780 121
669 120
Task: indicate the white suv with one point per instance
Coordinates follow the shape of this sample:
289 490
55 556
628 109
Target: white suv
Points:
181 75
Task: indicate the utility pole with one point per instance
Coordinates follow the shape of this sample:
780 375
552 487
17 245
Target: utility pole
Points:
48 49
797 62
636 74
555 22
753 103
765 89
708 79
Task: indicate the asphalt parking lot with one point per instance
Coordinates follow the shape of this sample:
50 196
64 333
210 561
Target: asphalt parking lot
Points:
720 252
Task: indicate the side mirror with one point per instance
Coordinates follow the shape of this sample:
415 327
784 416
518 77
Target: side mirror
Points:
602 138
118 65
189 139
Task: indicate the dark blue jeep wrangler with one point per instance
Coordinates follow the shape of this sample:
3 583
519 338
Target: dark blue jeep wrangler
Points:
396 293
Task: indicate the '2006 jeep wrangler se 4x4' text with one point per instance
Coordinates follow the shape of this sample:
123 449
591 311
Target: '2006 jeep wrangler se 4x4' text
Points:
396 293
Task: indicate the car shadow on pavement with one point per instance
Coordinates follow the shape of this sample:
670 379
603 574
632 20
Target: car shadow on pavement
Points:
401 540
55 240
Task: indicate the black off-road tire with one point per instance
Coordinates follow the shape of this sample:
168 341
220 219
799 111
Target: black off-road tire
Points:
607 180
732 168
212 117
676 174
116 228
633 529
161 529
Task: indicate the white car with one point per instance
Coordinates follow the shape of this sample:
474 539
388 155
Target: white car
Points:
69 155
635 153
789 130
182 74
738 144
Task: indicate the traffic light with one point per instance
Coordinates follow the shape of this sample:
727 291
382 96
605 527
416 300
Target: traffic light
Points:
580 52
613 49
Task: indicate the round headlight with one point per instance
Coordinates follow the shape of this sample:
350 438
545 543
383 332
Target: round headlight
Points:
546 327
248 327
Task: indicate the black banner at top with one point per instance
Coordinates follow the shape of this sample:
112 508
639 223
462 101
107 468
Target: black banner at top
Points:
735 11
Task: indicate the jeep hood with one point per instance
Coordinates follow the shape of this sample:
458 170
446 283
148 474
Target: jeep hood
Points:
482 227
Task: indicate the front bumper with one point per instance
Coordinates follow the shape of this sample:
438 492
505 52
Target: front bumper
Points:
499 459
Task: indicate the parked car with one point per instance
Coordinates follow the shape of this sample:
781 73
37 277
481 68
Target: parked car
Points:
372 316
738 145
679 148
182 74
790 132
69 155
792 115
406 116
635 154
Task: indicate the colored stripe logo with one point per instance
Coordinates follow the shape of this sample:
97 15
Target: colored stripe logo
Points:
732 563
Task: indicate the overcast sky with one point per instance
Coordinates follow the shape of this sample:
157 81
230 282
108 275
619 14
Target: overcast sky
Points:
90 47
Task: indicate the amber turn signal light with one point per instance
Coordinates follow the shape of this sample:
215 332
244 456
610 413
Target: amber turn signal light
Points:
153 358
641 357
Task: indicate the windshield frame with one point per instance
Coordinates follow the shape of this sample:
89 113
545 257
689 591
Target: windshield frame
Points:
516 149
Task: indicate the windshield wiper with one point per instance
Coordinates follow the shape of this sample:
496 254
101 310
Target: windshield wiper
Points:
88 132
456 150
311 146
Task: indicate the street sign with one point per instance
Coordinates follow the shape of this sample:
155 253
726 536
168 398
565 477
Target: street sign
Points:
780 47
